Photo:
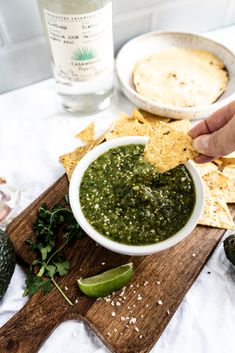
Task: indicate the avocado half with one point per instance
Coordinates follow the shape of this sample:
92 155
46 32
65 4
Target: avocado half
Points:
229 248
7 262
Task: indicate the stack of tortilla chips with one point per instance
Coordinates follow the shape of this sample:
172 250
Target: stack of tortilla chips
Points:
168 146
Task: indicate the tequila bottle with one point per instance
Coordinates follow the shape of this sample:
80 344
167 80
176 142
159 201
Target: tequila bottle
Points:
80 39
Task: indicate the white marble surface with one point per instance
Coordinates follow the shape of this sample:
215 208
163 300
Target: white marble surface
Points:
33 133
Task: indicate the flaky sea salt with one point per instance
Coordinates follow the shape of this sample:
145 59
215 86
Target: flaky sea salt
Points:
132 320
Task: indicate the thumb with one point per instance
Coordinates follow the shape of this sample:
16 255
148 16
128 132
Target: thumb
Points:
219 143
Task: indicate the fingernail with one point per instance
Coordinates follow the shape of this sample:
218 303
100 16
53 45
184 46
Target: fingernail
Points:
201 144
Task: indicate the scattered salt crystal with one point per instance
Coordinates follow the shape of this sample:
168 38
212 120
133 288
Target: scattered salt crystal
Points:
137 285
124 297
76 301
141 336
115 330
123 291
136 328
193 255
132 320
109 334
158 282
131 286
103 263
146 305
121 333
142 316
168 312
133 305
66 288
160 302
118 303
134 291
128 307
146 283
113 313
112 303
123 318
127 326
139 297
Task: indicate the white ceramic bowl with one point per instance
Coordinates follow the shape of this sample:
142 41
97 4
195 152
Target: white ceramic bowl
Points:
141 47
115 246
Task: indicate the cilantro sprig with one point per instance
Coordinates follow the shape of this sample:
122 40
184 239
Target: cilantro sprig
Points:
50 259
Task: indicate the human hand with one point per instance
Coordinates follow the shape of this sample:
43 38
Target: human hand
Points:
215 136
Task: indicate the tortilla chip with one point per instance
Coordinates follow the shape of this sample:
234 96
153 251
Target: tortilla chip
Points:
229 171
229 159
217 181
181 125
70 160
206 168
128 126
218 162
148 118
87 135
167 148
215 212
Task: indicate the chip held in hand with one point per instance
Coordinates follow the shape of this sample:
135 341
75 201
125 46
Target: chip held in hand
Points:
168 147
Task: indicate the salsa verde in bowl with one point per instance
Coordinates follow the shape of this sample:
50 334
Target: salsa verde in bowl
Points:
126 206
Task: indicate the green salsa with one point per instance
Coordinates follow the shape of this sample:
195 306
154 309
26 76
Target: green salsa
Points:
127 200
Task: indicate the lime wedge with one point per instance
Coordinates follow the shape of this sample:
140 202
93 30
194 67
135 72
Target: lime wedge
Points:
107 282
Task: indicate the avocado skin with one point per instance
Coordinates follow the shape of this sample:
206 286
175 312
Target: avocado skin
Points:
229 248
7 262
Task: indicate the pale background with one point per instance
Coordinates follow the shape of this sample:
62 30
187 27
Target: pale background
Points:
204 322
23 55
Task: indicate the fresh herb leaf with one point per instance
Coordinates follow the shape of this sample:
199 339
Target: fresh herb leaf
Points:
51 270
33 284
50 259
46 287
62 267
45 251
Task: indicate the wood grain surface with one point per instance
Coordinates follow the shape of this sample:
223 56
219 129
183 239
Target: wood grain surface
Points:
161 278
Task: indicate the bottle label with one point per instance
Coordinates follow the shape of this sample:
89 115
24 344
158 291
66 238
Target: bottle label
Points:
81 45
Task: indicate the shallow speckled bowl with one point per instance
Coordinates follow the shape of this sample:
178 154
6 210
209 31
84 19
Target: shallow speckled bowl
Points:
74 199
150 43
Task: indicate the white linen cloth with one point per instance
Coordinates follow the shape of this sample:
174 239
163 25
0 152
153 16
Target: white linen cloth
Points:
33 133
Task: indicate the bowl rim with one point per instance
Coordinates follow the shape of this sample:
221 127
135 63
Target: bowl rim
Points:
146 101
74 189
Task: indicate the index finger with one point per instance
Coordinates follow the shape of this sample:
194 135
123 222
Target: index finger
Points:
215 122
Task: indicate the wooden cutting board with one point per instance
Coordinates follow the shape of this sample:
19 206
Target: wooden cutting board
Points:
169 275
